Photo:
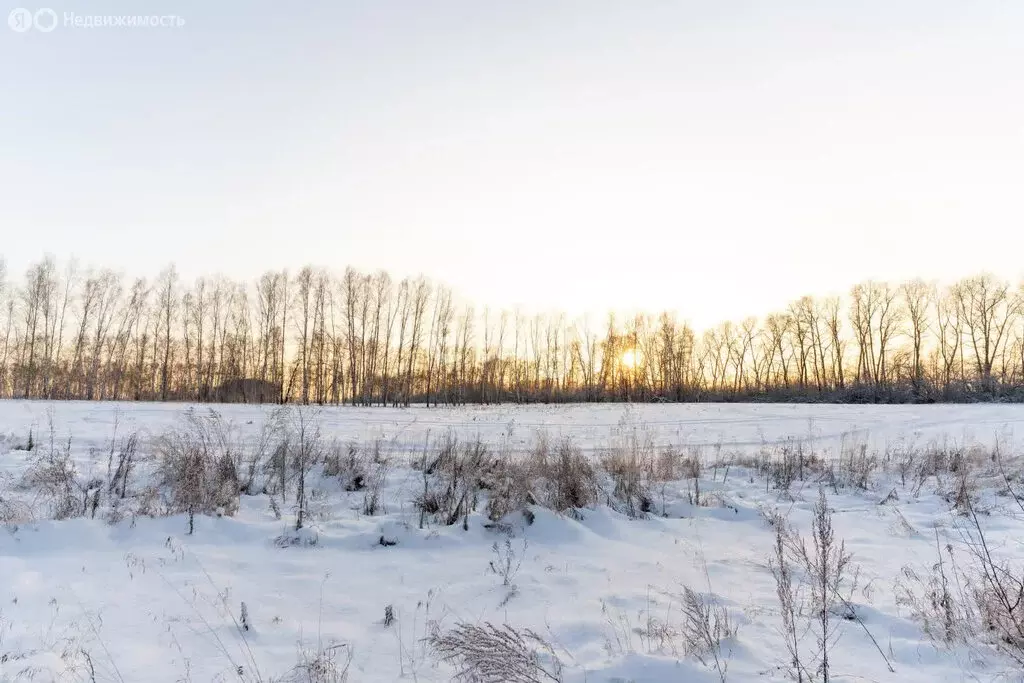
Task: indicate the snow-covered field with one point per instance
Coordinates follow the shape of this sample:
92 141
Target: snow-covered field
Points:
139 599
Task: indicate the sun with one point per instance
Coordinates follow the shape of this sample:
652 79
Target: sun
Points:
630 359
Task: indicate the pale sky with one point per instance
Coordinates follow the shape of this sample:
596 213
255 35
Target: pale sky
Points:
714 158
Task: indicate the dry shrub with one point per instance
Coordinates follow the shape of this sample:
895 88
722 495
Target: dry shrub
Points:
322 665
496 654
632 477
555 476
507 561
148 502
510 489
349 464
53 474
814 582
669 465
784 465
565 478
198 466
453 479
637 467
936 601
907 462
788 590
940 460
963 491
856 466
13 512
827 565
705 626
374 489
978 596
270 441
959 485
57 482
305 448
559 477
997 588
360 470
711 499
125 456
690 466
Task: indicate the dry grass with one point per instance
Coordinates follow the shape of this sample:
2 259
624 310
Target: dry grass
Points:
487 653
321 665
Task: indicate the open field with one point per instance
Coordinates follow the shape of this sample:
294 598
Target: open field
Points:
135 533
739 426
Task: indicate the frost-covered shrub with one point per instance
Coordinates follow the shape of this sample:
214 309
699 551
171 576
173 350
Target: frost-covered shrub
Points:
632 476
373 501
198 467
566 478
496 654
453 479
257 471
346 463
325 664
559 477
53 475
458 476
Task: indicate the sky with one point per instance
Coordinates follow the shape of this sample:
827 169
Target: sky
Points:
717 159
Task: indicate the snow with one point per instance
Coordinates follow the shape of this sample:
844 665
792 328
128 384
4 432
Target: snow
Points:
149 603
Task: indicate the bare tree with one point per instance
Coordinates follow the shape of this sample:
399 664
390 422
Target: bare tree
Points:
167 300
916 299
308 451
988 309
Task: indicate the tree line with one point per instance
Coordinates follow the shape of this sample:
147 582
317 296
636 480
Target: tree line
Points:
317 336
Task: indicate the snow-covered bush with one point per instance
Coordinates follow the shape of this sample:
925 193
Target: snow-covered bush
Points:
53 474
198 466
565 479
452 480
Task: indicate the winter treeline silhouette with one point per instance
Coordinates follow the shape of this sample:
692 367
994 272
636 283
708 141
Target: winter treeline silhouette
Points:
317 336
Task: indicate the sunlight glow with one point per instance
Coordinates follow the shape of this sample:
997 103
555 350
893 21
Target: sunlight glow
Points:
630 359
